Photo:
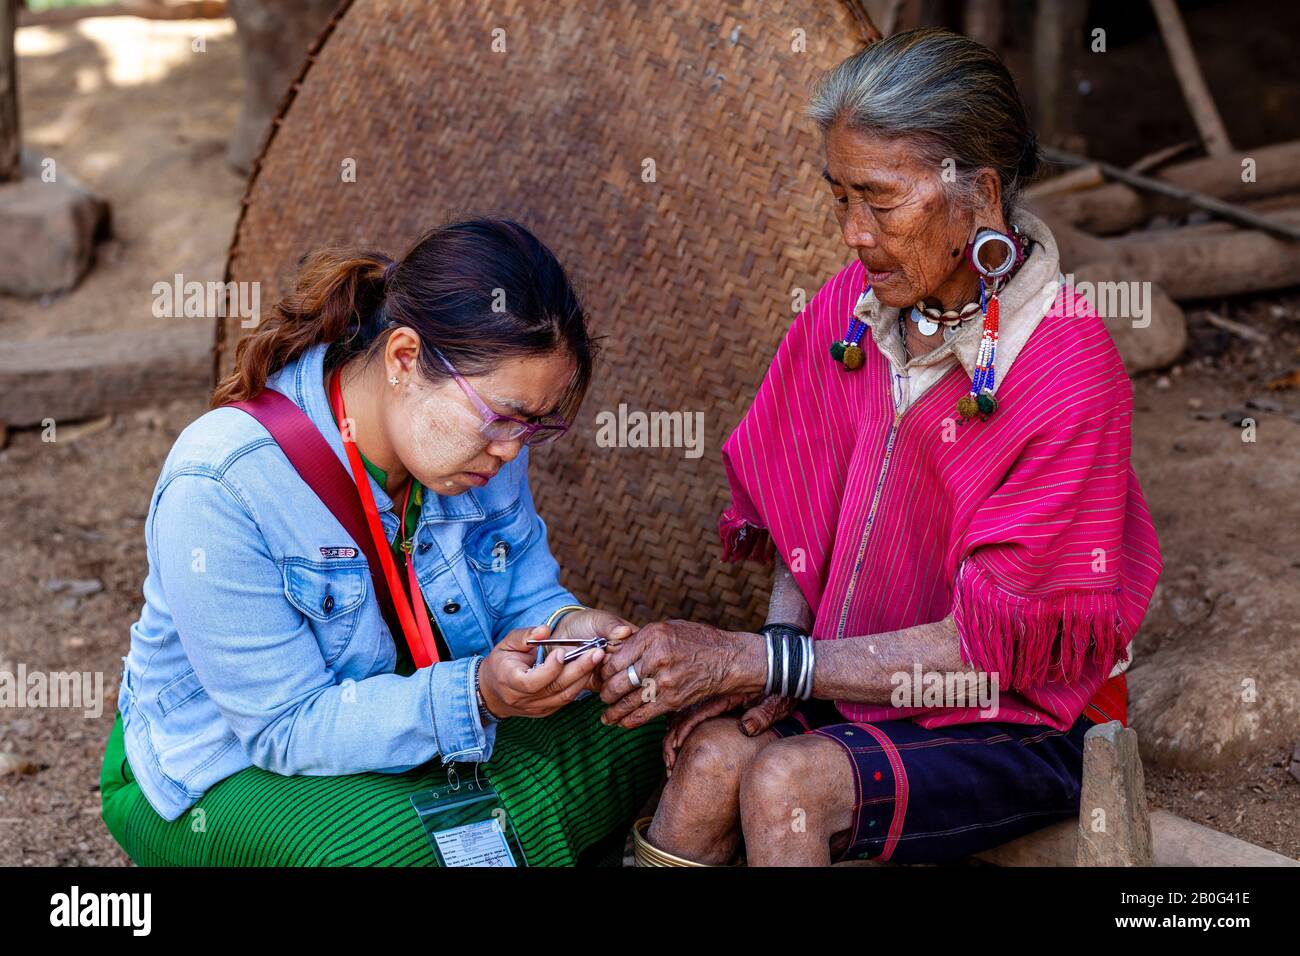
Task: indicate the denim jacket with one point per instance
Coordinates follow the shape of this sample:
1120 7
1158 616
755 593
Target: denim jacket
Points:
261 642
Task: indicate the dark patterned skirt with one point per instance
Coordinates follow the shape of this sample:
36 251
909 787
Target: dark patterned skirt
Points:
934 796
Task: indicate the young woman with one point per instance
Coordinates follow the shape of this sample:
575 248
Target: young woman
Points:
267 714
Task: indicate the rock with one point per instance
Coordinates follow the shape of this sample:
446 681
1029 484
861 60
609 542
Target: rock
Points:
11 763
1114 829
81 587
1146 341
1208 701
47 231
1263 404
1295 763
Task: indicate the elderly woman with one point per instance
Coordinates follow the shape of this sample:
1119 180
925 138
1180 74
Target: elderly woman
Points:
962 551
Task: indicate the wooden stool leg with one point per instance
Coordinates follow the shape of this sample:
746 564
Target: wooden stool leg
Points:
1114 827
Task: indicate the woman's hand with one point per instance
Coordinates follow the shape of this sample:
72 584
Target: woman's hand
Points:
762 714
679 663
513 687
588 624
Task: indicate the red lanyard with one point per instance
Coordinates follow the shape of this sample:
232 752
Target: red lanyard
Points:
411 613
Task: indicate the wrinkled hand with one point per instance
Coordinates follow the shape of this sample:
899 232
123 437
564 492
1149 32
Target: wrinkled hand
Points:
683 722
759 716
762 714
679 663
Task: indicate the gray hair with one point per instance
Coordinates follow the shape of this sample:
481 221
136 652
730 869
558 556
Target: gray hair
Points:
952 98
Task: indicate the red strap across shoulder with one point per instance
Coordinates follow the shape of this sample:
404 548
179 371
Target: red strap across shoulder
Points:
412 615
318 466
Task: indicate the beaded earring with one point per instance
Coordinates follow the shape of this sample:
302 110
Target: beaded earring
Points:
848 350
983 254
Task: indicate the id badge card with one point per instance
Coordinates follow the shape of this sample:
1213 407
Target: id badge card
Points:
467 824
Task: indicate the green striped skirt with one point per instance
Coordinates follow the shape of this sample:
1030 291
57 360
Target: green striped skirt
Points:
570 785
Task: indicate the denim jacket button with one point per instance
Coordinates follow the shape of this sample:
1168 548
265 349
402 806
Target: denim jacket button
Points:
328 604
451 607
501 549
424 546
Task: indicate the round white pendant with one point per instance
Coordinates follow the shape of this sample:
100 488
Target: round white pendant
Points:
927 325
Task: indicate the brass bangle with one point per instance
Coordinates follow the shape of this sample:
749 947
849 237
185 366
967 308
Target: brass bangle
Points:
647 854
559 612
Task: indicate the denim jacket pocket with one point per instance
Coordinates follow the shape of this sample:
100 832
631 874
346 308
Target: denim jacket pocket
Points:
495 546
330 595
181 689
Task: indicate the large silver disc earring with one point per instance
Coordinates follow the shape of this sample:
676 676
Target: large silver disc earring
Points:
993 254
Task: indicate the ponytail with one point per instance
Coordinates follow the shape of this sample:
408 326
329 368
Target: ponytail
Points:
448 288
337 293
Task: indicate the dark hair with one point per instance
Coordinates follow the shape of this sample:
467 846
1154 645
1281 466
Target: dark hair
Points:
478 290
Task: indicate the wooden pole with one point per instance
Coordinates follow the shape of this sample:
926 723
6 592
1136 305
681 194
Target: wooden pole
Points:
10 140
1218 207
1057 27
1116 207
982 22
1197 94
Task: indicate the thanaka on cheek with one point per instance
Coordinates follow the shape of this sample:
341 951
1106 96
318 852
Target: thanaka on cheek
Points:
437 439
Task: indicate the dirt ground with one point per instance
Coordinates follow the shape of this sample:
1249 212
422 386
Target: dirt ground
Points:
133 110
146 144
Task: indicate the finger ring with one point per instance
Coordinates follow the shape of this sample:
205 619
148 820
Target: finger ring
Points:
631 675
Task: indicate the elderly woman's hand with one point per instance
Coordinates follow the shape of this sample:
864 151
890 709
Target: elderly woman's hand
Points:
587 624
759 715
678 663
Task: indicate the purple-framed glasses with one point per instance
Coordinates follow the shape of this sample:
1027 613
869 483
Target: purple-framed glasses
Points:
503 427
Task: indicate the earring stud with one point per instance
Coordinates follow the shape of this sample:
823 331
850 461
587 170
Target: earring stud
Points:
392 380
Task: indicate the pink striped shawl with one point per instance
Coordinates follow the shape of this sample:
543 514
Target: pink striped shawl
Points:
1030 527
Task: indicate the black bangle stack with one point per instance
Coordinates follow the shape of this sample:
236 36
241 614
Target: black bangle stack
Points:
790 661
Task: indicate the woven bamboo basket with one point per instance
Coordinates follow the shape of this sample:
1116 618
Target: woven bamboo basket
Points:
691 279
